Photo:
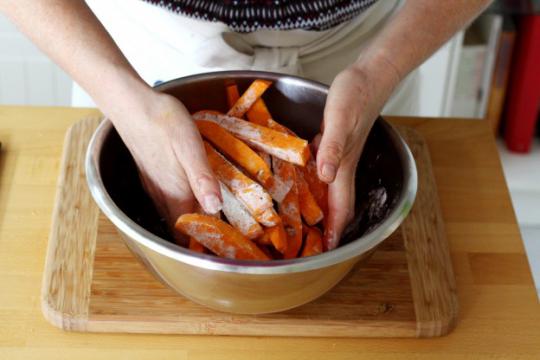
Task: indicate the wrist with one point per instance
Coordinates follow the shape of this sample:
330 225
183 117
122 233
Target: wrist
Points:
121 95
380 68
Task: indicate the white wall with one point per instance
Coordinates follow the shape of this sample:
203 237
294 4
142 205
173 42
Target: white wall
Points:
27 77
438 76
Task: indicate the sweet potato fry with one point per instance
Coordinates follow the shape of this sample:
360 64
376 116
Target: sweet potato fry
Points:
270 217
232 95
310 209
218 236
266 157
259 114
318 188
312 243
236 150
196 246
275 236
238 216
193 243
264 239
244 156
257 201
311 212
278 188
253 92
289 209
283 146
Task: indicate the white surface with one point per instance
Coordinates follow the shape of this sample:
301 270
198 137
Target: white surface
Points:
438 82
531 238
469 81
527 206
522 172
27 77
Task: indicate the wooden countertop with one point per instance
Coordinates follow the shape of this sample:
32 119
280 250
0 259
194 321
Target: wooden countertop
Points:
499 310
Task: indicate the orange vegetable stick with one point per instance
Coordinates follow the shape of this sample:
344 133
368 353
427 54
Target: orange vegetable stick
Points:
259 114
270 217
236 150
311 212
195 245
218 236
253 92
266 157
318 188
275 236
208 111
264 239
313 242
232 95
283 146
251 194
238 216
289 209
310 209
244 156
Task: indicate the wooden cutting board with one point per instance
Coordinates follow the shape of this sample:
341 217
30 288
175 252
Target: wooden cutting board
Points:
92 282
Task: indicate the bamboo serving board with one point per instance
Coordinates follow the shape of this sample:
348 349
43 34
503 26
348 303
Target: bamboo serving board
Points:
93 283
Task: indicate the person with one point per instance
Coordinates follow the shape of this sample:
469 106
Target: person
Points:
366 49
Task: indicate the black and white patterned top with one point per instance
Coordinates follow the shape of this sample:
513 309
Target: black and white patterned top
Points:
251 15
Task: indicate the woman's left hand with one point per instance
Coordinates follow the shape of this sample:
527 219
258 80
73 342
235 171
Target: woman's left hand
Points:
356 98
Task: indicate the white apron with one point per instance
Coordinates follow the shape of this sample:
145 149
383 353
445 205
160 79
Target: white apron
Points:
162 45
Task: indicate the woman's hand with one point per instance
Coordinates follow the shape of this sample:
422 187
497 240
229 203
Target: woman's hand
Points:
356 98
169 153
156 127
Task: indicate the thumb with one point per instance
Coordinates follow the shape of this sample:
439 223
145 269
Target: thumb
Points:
189 150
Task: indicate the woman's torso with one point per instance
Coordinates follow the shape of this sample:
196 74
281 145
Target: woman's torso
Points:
163 43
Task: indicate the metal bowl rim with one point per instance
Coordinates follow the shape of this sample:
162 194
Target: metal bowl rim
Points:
209 262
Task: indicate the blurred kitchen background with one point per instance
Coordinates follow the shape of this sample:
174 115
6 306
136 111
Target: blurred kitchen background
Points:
488 72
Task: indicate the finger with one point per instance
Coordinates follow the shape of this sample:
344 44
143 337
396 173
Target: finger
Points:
315 143
171 199
341 197
337 128
188 147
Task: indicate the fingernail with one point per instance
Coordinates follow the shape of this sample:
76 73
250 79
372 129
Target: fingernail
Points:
212 204
328 172
330 240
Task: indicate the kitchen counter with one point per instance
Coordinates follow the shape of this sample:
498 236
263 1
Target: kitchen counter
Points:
499 312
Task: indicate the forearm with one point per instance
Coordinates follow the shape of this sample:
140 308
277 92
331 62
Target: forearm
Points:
416 32
69 33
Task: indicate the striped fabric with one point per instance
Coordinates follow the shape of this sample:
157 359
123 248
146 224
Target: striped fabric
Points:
252 15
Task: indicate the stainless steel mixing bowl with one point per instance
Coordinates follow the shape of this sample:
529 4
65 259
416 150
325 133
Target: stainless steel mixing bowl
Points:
386 187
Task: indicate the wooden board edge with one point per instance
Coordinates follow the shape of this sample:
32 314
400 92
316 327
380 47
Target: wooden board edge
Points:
436 316
55 286
270 329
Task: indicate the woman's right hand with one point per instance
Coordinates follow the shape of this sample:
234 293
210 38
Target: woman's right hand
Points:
156 127
169 153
